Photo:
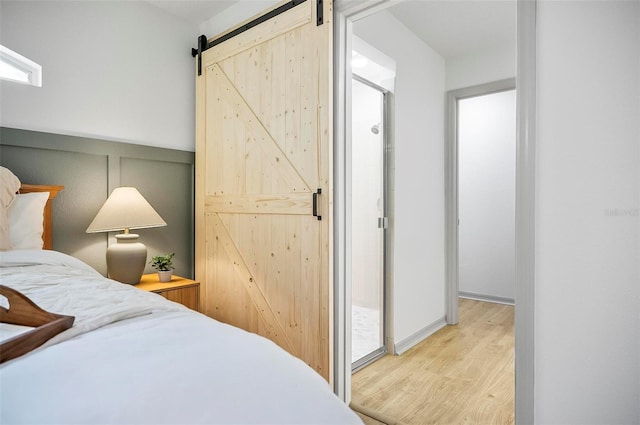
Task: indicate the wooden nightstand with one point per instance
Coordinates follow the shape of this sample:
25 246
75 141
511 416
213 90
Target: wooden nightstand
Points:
181 290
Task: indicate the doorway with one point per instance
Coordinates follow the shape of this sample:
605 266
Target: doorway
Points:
486 162
475 252
368 221
346 14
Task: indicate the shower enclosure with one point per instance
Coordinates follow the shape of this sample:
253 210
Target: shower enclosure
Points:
368 221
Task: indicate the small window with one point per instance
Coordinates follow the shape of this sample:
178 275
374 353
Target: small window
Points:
17 68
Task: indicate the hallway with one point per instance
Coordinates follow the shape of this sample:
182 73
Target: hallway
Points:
462 374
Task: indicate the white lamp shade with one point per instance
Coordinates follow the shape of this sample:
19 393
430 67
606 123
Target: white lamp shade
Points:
125 208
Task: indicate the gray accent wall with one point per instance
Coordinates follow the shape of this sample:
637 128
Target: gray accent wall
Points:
90 169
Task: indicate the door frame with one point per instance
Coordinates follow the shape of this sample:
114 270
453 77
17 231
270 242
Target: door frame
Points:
345 13
451 173
387 331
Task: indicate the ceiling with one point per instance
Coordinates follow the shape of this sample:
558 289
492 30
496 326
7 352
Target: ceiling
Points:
458 27
451 27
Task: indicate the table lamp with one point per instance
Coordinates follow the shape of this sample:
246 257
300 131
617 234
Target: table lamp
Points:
126 209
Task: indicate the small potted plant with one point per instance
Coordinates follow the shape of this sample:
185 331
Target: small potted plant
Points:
164 266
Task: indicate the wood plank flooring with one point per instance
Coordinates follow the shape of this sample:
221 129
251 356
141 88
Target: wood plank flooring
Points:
462 374
368 420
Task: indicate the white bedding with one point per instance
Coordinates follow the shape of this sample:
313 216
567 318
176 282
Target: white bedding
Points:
132 357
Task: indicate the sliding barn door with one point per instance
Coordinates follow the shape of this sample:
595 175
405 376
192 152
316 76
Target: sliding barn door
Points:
263 181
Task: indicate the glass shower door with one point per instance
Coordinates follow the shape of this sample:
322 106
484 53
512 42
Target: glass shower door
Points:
368 222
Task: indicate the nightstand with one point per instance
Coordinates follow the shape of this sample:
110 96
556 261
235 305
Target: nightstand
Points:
181 290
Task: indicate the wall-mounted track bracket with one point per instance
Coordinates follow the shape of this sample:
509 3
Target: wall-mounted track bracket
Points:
202 46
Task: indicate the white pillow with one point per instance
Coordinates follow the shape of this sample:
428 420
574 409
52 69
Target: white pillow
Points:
9 185
25 216
5 242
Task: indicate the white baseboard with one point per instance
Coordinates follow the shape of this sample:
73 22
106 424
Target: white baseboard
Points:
486 298
419 336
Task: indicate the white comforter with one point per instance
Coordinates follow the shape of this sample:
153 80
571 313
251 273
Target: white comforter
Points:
132 357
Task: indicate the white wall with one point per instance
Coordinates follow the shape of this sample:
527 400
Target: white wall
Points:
233 15
587 312
112 70
418 172
482 66
486 193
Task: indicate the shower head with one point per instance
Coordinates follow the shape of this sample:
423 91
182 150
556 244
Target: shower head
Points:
375 129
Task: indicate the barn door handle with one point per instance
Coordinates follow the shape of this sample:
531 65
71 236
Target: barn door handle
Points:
315 204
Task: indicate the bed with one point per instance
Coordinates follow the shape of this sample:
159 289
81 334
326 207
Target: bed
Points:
133 357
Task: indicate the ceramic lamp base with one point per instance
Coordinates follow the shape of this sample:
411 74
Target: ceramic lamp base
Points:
126 259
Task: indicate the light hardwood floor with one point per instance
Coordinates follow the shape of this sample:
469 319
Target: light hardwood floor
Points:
462 374
369 421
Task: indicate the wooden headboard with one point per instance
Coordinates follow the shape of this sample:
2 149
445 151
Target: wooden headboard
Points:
47 234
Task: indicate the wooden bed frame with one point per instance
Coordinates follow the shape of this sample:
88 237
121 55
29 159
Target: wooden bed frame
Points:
47 234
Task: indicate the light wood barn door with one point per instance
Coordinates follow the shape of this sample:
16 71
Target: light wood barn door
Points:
264 136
